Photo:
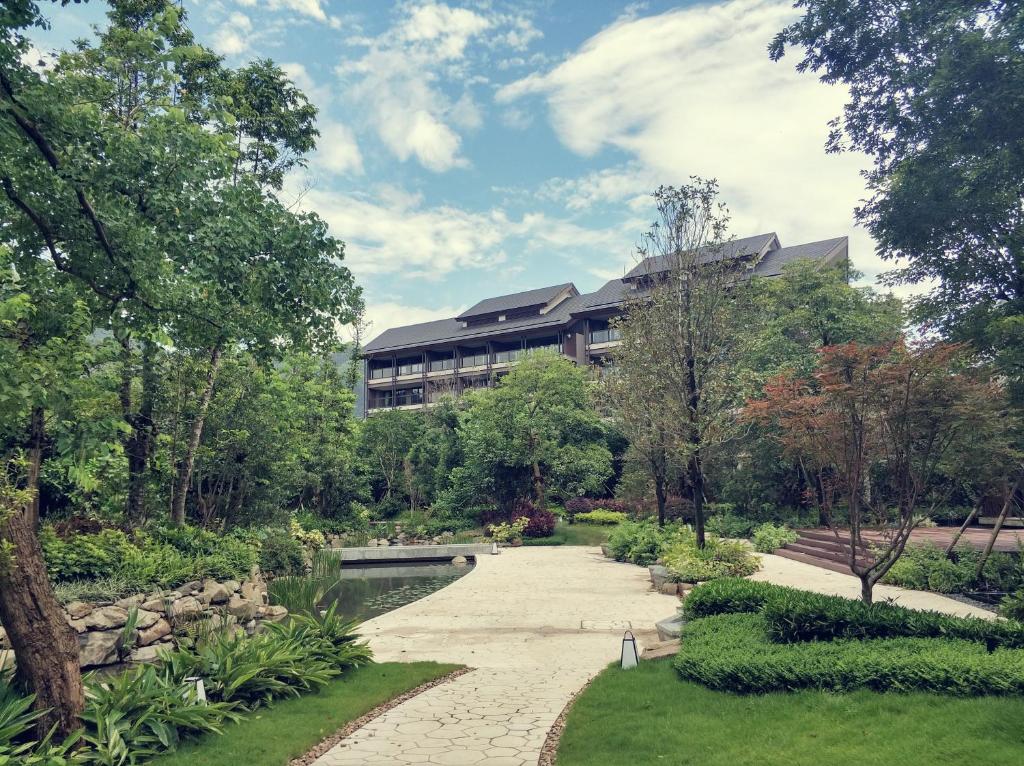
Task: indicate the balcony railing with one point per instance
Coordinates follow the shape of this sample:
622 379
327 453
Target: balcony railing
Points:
503 357
605 336
549 347
381 372
437 365
407 398
411 369
475 360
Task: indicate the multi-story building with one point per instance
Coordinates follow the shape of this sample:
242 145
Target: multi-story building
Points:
413 366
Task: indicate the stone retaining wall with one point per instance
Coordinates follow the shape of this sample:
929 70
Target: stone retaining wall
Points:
164 619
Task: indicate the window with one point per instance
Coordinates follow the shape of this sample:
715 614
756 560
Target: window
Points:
411 366
605 336
376 373
501 357
474 360
436 365
407 396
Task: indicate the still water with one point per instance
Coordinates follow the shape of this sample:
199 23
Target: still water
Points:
367 590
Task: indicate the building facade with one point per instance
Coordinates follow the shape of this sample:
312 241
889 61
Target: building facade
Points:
412 367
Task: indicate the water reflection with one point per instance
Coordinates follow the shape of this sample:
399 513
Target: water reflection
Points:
368 590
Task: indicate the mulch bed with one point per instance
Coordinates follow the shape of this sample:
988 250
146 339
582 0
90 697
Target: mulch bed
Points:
550 749
364 719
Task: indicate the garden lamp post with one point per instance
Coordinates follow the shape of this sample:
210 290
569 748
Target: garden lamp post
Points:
630 658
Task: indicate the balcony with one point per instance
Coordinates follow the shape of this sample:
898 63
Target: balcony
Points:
610 335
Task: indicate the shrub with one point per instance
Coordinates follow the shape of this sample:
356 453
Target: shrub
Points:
730 596
718 558
601 517
281 554
1012 606
731 652
576 506
615 506
770 537
84 556
540 523
926 567
638 542
508 532
729 525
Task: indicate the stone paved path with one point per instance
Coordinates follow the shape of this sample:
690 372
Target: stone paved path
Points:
535 623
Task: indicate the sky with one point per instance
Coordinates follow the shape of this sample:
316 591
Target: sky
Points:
472 149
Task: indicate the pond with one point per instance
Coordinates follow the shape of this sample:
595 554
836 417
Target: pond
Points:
369 590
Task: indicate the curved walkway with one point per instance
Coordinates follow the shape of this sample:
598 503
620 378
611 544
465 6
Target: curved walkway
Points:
535 623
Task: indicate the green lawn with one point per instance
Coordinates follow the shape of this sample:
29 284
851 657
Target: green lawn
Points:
574 534
273 736
649 716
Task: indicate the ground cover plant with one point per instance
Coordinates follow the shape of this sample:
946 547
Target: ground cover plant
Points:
928 567
639 712
601 516
770 537
573 534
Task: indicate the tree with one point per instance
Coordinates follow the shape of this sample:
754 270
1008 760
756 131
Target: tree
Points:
535 434
680 338
875 424
934 99
385 439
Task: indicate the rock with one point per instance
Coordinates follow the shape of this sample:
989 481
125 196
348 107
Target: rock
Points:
658 575
459 561
255 591
242 608
186 608
130 603
221 621
670 588
371 543
145 619
6 659
669 628
78 609
4 644
606 552
78 625
145 654
154 633
233 585
215 593
157 605
189 588
382 541
106 618
99 647
273 613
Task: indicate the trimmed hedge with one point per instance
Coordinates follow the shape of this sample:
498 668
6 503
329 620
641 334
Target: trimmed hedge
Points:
732 652
792 615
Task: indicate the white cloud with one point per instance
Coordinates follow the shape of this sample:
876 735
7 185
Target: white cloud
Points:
337 150
233 36
693 92
404 79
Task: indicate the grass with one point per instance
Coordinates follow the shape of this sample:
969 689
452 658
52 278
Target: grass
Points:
573 534
273 736
653 716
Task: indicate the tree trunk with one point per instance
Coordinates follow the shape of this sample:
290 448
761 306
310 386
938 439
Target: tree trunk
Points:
963 527
139 442
1003 513
45 646
189 460
659 494
35 464
866 588
538 486
697 495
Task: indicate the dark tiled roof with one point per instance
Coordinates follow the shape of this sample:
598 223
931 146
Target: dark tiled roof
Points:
736 248
775 260
538 297
610 295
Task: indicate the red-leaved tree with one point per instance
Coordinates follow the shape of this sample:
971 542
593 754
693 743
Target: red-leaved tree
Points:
877 430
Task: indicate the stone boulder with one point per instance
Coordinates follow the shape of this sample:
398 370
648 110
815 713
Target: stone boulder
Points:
78 609
242 608
233 585
274 613
185 608
145 619
106 618
156 604
460 561
255 590
659 575
189 588
145 654
214 593
98 648
4 641
154 633
132 602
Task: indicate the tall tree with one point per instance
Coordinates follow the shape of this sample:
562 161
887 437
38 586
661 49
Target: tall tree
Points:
935 99
876 424
680 339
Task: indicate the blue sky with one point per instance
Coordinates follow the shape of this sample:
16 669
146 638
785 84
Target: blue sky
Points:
470 149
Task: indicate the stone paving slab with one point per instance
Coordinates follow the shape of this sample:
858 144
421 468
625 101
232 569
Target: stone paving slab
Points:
535 623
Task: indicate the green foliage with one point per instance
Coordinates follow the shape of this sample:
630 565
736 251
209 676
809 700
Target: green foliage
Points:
718 558
508 532
1012 606
639 542
926 567
729 525
732 652
601 517
769 537
729 596
281 553
17 719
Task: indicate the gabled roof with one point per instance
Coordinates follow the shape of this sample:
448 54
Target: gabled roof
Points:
828 250
735 248
526 299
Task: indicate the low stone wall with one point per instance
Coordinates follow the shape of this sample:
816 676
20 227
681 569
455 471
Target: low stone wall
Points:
164 619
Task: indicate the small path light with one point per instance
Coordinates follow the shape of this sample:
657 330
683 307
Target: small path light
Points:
199 686
494 549
630 658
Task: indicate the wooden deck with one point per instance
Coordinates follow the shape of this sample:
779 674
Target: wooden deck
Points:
1008 539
